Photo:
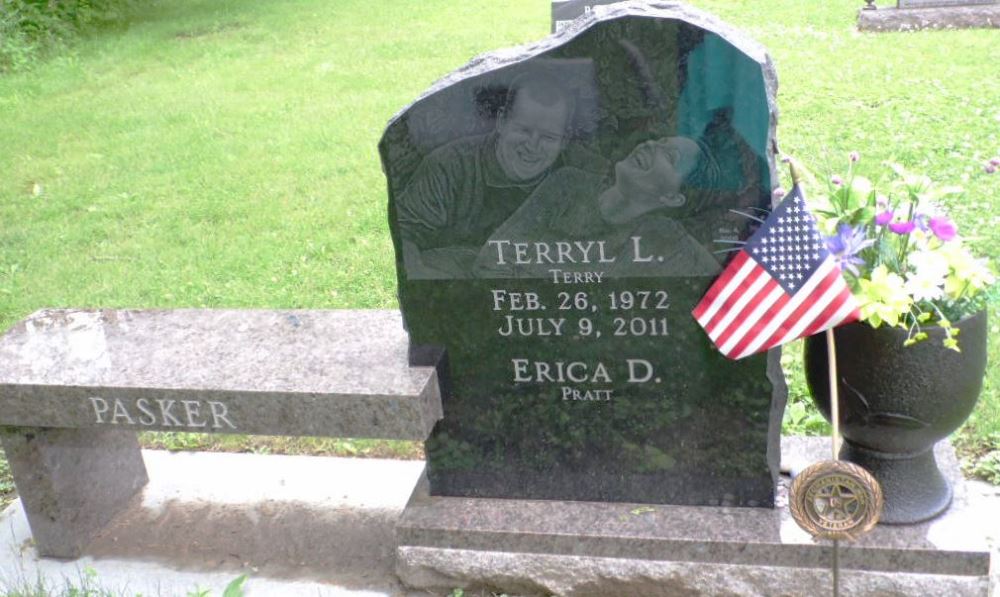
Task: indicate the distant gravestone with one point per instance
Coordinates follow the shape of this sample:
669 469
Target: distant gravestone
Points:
911 15
940 3
557 211
564 11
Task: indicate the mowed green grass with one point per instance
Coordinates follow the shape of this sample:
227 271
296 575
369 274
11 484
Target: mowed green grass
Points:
215 153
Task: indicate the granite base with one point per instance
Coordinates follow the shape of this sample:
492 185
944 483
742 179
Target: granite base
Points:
584 548
910 19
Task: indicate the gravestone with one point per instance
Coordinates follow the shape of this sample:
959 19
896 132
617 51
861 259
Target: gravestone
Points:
557 211
564 11
909 15
940 3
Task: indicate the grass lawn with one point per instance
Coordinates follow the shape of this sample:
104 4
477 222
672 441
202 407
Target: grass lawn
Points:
222 153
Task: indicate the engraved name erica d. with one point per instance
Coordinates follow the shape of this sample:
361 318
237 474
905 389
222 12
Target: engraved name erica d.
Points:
526 370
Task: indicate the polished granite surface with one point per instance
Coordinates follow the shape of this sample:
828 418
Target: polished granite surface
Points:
557 211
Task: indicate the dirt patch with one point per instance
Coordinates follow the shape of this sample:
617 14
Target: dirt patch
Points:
351 547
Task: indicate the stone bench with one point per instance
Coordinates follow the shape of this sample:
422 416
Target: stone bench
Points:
76 386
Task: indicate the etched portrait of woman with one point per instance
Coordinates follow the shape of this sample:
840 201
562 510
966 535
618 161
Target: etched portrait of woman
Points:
643 198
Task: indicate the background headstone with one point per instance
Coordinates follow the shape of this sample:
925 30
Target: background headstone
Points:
938 3
564 11
913 15
551 243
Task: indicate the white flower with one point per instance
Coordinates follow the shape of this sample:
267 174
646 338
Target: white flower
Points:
923 288
929 265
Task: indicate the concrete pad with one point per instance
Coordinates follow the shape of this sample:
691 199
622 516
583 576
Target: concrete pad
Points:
298 525
301 525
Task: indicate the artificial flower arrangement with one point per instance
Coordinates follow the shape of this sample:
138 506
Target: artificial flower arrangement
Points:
901 254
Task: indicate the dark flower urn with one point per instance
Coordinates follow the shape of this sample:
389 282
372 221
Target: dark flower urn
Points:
896 402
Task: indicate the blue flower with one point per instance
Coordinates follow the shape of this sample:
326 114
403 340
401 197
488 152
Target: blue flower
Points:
845 246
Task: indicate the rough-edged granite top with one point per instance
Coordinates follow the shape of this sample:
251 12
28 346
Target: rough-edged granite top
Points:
637 8
330 372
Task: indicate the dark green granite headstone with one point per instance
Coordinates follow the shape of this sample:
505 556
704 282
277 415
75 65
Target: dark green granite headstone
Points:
557 212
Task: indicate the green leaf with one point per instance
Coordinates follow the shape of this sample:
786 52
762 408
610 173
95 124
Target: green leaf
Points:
235 587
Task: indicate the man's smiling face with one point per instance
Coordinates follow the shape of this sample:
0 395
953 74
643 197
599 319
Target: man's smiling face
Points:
531 137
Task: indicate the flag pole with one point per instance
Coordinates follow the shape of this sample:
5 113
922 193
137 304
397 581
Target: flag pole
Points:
831 355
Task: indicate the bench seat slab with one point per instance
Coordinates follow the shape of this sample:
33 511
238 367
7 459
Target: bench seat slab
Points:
72 482
337 373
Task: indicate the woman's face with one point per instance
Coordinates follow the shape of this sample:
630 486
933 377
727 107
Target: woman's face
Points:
654 171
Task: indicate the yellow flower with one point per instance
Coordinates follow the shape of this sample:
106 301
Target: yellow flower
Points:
883 298
967 275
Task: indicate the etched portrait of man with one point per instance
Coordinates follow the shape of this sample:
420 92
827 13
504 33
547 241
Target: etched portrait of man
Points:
461 192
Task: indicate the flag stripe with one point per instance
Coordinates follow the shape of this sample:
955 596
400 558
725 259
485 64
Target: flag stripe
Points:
779 321
764 300
815 309
758 327
726 286
701 310
751 277
715 330
847 313
835 305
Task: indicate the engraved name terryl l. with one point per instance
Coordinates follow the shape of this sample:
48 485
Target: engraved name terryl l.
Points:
190 414
557 252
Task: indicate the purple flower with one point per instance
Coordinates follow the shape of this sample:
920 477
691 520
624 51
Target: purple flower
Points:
990 168
903 227
846 245
855 156
884 218
836 180
943 228
995 162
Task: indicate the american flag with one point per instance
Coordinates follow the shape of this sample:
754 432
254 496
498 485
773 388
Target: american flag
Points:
782 285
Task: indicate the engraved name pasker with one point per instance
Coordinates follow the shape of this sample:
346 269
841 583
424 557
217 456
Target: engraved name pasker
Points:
188 414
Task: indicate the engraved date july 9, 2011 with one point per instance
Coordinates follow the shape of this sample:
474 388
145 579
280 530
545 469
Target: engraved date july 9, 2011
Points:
583 327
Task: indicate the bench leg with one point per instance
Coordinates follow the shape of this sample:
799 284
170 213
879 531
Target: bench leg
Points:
72 482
